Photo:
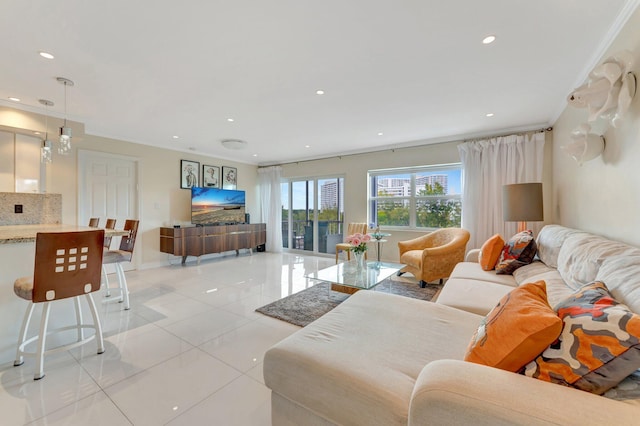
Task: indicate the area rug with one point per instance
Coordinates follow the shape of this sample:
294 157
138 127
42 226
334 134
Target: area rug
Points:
310 304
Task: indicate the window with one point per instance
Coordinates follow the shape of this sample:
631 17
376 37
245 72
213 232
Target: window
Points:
418 197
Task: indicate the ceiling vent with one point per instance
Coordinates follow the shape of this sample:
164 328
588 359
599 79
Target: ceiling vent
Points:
234 144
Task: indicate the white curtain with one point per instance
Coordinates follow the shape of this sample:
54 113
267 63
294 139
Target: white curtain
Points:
489 164
271 205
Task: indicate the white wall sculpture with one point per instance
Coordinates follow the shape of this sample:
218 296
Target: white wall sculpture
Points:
584 145
609 91
606 95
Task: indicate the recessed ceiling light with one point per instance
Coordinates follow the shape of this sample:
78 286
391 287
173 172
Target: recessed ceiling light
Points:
307 146
36 133
46 55
14 99
176 137
380 133
489 39
230 120
319 92
255 155
490 114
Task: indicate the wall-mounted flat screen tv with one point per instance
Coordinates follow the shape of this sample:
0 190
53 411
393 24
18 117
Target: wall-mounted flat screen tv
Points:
211 206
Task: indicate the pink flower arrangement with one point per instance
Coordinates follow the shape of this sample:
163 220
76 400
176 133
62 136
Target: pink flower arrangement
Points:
358 242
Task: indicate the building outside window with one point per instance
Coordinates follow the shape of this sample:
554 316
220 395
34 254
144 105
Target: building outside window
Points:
418 197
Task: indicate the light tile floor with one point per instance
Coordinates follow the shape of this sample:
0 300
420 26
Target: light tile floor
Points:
189 352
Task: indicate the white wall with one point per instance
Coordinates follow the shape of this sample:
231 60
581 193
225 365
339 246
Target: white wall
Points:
354 168
603 195
161 199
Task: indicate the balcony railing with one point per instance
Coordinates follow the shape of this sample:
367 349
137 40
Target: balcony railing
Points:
302 234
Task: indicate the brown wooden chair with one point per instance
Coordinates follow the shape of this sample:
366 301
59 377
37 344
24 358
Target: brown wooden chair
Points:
352 228
67 265
94 222
434 255
111 224
123 254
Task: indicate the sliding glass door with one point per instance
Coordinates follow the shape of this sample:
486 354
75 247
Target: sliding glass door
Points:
312 214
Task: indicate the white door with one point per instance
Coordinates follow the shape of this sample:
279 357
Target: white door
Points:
108 189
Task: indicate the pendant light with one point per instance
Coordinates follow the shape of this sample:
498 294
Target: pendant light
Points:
65 132
45 151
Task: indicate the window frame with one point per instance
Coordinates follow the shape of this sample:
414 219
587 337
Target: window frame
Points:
413 199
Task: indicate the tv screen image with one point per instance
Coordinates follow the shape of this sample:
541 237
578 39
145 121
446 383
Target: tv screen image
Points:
213 206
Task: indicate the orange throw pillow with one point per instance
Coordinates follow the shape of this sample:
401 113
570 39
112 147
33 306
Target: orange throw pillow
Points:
517 330
490 252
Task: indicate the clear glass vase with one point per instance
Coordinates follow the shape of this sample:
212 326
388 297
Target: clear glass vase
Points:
360 260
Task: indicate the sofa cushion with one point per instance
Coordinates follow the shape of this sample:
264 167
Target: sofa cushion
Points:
478 297
473 271
527 273
517 252
490 252
621 273
585 258
550 240
557 290
361 360
580 258
599 345
517 330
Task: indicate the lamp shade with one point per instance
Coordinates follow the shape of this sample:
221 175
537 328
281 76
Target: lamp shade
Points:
522 202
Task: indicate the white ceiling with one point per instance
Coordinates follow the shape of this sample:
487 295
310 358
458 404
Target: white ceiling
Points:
414 70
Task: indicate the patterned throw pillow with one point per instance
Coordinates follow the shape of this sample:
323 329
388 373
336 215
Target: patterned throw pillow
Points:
518 251
599 345
490 252
520 327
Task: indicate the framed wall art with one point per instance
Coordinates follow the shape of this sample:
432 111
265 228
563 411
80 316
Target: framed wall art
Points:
210 176
229 177
189 171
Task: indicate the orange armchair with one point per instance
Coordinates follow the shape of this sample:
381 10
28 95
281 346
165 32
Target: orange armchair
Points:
433 256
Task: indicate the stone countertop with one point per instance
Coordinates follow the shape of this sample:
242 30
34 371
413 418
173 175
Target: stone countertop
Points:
27 233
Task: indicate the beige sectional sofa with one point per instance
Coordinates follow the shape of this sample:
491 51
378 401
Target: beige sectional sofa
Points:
382 359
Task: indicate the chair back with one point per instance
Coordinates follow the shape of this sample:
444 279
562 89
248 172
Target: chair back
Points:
94 221
444 236
355 227
111 224
67 264
128 242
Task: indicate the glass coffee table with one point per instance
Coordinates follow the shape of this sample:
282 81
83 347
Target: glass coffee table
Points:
347 278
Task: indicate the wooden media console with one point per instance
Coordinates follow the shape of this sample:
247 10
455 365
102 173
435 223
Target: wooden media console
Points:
207 239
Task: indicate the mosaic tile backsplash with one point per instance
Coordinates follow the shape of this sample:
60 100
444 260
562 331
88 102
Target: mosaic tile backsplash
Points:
36 208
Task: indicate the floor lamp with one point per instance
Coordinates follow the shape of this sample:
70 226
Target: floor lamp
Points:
522 202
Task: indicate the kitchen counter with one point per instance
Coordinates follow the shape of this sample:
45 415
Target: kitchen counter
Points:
10 234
